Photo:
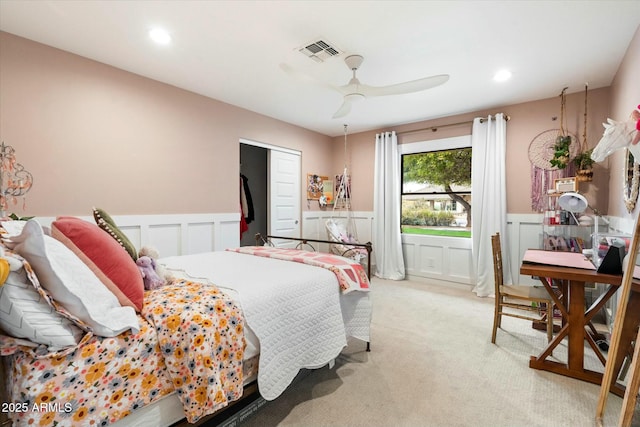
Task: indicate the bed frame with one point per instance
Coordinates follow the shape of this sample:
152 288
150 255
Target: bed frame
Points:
269 240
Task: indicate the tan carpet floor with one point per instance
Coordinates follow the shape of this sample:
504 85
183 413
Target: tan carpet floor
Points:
432 364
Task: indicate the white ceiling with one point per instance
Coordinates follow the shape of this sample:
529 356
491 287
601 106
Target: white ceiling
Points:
232 50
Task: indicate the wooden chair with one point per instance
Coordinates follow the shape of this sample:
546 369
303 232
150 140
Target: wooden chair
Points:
518 297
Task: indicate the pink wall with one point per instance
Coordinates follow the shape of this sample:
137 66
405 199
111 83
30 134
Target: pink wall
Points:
94 135
625 96
527 121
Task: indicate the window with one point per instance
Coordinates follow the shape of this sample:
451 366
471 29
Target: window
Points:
436 187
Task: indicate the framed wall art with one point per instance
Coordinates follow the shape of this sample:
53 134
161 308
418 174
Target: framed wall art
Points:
315 186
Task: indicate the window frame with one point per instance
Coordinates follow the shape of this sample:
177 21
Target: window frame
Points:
442 144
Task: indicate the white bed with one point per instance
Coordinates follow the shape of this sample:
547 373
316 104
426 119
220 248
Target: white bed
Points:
296 316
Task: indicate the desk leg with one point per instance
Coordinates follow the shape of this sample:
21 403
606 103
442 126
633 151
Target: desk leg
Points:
541 362
575 321
564 287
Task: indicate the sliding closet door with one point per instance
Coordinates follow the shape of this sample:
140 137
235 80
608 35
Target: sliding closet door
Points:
254 165
284 195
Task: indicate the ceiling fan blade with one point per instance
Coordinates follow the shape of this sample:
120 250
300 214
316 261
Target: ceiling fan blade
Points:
306 78
406 87
344 109
349 99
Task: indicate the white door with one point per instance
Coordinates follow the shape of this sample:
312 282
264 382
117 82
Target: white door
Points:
284 196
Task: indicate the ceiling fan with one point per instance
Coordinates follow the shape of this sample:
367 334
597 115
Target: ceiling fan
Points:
356 91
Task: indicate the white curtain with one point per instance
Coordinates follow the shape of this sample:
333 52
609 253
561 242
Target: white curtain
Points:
488 189
387 244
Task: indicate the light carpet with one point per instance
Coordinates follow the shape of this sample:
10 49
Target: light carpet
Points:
432 363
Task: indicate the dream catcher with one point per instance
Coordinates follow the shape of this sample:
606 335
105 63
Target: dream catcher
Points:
550 154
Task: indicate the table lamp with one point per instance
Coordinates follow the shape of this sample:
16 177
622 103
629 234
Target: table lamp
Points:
573 202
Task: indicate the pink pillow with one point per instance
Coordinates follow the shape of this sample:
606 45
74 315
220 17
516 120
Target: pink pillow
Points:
104 256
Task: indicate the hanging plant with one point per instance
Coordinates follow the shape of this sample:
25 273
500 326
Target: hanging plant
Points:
561 154
584 166
583 161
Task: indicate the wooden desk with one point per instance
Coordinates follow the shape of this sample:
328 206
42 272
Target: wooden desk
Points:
575 318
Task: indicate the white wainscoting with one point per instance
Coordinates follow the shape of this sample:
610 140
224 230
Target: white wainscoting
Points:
524 231
435 258
446 259
177 234
442 259
449 259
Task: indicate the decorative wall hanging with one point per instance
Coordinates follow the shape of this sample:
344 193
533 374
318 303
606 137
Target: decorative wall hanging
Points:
315 186
550 154
631 182
15 181
543 174
327 193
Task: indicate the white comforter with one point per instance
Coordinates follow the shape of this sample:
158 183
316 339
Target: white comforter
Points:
296 310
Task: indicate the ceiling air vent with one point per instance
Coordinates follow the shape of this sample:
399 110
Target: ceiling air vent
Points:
319 50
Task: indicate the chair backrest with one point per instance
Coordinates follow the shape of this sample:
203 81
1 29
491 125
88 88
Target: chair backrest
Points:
497 262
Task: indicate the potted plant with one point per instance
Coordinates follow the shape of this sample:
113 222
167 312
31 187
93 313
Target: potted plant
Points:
560 158
584 166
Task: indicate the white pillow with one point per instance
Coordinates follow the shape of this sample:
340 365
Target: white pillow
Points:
24 313
72 284
13 227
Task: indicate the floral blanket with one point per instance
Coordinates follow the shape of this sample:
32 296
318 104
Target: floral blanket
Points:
191 340
84 385
201 337
351 275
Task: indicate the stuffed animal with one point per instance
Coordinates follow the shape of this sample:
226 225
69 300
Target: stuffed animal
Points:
7 265
149 276
153 253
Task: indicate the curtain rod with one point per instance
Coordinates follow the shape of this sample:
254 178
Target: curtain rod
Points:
435 128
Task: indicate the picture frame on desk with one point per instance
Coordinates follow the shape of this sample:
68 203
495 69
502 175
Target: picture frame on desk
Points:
563 185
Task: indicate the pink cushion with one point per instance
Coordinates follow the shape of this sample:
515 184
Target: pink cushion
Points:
104 256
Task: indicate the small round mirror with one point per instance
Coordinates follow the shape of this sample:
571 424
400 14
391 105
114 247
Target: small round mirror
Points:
631 180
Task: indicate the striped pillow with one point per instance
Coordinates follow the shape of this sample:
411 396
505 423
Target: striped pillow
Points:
24 313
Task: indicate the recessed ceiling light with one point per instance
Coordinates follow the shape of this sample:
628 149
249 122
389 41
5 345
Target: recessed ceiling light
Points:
502 76
160 36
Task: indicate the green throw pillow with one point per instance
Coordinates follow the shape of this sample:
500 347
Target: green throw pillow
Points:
107 223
